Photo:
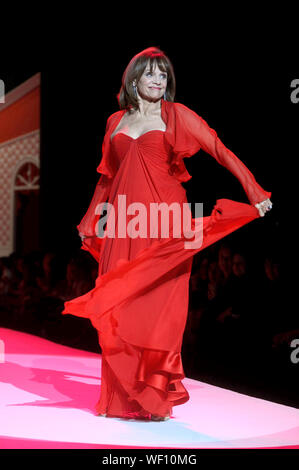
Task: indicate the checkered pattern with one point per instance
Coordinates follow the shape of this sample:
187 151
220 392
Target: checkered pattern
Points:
13 155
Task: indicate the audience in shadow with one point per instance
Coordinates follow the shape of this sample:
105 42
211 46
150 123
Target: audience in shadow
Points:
237 319
33 289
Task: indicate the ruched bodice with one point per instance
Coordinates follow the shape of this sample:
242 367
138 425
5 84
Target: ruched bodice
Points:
142 177
150 144
148 154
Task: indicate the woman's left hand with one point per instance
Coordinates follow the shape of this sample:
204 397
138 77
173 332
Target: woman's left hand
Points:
264 207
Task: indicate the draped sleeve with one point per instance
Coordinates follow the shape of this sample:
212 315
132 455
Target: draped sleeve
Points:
107 168
187 133
108 165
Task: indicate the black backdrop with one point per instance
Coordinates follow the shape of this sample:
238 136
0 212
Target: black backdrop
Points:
249 107
244 94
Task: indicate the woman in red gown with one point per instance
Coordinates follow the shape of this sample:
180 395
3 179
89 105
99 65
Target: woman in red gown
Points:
139 304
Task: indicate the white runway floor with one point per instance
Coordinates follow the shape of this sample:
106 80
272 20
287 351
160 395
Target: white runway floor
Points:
48 392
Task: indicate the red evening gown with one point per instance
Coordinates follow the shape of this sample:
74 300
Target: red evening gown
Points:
139 304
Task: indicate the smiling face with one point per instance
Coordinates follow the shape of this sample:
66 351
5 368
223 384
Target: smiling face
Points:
153 83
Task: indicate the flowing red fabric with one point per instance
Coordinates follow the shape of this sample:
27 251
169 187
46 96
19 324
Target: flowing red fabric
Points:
139 304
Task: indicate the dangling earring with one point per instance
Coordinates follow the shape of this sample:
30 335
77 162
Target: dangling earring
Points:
135 90
164 97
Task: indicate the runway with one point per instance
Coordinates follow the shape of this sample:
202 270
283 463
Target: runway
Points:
48 392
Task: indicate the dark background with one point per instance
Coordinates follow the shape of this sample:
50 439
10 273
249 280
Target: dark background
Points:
248 104
244 94
249 107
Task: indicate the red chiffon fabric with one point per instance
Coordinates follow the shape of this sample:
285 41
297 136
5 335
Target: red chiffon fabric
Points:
139 304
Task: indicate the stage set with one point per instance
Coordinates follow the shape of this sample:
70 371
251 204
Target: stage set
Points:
48 391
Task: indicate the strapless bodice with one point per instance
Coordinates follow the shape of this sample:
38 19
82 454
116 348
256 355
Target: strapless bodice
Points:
151 143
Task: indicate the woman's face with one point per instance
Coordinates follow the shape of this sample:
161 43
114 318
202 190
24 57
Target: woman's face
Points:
152 85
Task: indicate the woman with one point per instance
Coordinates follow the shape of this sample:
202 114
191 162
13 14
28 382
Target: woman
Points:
139 303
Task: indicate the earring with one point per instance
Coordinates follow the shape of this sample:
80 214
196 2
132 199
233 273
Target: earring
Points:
164 96
135 90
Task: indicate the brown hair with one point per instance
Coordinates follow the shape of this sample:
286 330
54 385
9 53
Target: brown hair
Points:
126 96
